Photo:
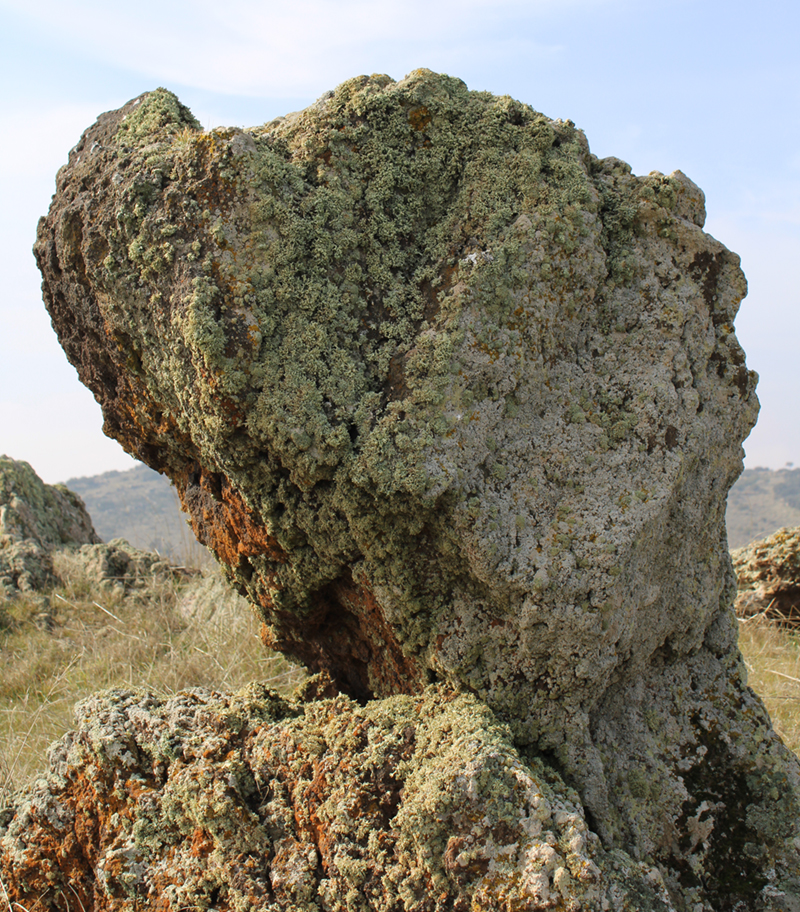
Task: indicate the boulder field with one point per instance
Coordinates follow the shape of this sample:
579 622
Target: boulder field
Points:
456 405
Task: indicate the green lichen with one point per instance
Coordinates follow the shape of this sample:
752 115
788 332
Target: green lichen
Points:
158 115
334 329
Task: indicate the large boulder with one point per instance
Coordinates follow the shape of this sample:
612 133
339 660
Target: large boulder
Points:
452 400
35 519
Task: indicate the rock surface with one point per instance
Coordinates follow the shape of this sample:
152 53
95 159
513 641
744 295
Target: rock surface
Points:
35 518
246 801
116 564
768 572
452 400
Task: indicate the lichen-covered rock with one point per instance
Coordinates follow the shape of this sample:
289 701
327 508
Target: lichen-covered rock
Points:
47 536
245 802
48 514
25 566
768 572
114 565
35 518
451 399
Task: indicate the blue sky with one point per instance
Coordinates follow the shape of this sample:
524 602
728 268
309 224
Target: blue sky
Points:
711 88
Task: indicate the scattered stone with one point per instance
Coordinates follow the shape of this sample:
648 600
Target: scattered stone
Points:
452 400
769 577
25 566
35 518
47 536
115 565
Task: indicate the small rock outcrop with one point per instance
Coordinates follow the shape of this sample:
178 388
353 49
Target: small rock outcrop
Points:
454 402
46 535
35 519
116 565
768 572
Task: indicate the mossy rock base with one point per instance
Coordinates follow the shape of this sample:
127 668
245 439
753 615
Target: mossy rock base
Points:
246 801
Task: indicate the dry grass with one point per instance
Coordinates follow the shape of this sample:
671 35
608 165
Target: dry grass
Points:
59 648
772 655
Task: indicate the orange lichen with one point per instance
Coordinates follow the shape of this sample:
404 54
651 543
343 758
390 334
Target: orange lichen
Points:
223 521
420 117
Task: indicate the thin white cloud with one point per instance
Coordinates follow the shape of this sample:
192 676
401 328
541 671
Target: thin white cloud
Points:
273 49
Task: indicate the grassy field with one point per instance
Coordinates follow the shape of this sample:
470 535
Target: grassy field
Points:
60 647
772 656
177 633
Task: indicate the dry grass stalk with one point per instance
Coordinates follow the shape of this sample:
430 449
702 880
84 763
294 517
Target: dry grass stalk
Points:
772 654
58 648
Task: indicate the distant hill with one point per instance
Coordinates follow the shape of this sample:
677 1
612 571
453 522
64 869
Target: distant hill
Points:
142 507
760 502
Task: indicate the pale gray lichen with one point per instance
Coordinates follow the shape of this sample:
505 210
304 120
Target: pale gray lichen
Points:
156 115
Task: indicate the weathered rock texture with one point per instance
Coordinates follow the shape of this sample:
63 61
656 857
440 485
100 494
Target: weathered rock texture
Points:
768 572
452 400
247 802
35 518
